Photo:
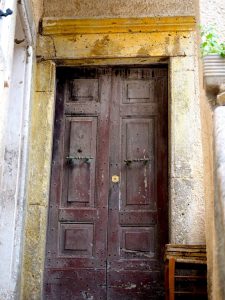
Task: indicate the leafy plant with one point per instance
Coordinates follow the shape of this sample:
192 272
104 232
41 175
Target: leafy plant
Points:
211 42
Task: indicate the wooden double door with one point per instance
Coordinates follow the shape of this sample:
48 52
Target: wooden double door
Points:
108 211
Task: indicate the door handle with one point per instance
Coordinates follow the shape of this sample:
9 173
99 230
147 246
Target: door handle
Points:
72 159
129 161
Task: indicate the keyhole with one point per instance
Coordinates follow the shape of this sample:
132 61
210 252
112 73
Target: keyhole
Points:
79 151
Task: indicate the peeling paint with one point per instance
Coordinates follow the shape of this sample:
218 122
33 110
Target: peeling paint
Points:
130 286
87 296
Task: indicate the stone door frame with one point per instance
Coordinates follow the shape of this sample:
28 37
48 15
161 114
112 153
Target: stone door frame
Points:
118 42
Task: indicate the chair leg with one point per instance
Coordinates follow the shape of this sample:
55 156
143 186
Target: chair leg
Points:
171 278
166 274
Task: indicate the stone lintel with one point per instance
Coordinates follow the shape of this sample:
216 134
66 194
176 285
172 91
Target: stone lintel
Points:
62 26
108 46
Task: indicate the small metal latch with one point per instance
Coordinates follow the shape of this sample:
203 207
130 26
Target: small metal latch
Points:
72 159
7 13
144 160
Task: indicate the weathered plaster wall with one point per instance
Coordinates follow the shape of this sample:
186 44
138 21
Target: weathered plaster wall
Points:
9 151
212 12
7 32
38 7
118 8
16 60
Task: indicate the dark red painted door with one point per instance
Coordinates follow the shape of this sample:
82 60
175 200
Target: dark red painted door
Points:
137 222
108 199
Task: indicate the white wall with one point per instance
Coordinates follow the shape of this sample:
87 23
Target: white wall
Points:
16 71
7 32
212 12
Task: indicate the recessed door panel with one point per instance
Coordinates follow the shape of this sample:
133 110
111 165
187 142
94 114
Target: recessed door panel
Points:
137 163
81 158
83 90
138 91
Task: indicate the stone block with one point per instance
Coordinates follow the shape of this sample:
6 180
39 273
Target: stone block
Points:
80 46
34 252
40 148
186 63
45 47
185 139
45 77
187 211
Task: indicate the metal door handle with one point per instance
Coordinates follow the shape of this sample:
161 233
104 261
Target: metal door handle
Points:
144 160
71 159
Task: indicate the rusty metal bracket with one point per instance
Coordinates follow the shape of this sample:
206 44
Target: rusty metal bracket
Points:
144 160
72 159
7 13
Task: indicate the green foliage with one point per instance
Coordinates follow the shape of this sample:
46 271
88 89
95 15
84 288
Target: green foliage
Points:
211 42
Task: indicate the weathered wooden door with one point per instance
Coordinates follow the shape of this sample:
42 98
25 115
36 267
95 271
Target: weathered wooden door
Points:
108 214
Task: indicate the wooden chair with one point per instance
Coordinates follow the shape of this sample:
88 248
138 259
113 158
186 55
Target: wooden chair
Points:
186 265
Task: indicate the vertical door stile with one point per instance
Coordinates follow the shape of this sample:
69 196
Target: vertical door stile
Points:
115 170
103 158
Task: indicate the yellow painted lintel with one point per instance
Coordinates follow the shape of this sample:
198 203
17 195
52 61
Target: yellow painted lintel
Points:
56 26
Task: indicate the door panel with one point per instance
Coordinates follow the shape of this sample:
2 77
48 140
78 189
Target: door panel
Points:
75 284
80 178
76 239
137 176
105 237
134 268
